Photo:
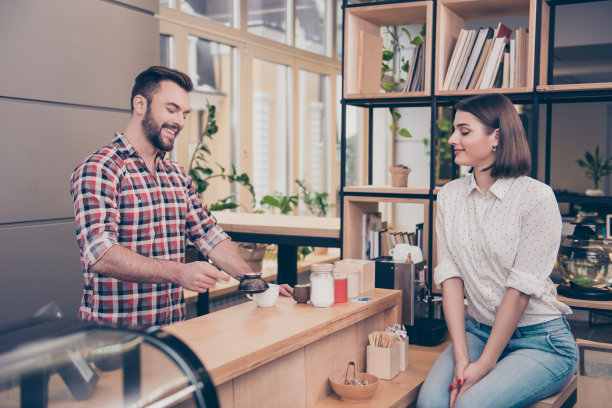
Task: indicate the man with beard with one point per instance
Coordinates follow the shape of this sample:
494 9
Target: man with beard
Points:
133 208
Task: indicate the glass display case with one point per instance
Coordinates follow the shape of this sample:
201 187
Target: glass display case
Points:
52 362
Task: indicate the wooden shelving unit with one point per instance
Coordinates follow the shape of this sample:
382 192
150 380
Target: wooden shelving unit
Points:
444 20
370 19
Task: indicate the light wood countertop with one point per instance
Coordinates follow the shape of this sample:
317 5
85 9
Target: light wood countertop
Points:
234 341
326 227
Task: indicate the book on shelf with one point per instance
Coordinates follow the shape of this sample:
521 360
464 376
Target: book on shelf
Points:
502 31
481 62
506 69
418 235
452 65
521 46
415 62
419 76
369 62
372 224
489 72
512 68
475 54
467 49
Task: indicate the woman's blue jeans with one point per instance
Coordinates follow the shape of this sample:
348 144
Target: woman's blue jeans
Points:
537 362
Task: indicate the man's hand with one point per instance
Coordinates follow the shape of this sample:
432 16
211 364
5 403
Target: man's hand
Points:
286 290
199 276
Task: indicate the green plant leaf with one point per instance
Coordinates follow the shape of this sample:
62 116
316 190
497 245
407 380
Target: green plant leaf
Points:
393 127
389 86
404 132
417 41
396 115
387 55
222 206
385 69
406 66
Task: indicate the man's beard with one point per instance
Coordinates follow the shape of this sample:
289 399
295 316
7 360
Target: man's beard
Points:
153 131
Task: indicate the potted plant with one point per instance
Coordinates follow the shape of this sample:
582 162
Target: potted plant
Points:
317 204
202 172
595 168
399 175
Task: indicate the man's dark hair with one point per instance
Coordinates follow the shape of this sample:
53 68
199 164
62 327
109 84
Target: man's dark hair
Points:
147 82
495 111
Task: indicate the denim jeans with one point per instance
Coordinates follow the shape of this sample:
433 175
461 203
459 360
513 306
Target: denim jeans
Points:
537 362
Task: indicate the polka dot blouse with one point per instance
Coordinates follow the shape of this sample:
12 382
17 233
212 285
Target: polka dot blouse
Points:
507 238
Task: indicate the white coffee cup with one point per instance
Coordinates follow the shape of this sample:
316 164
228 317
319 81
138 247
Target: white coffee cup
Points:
400 253
267 298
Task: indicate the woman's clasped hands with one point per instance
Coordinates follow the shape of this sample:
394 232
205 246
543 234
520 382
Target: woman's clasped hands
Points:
466 375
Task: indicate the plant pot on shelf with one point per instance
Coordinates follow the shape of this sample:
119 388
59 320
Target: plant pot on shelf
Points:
399 175
591 192
320 250
252 253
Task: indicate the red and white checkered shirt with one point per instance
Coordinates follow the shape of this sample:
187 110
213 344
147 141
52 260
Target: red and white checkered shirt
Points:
117 201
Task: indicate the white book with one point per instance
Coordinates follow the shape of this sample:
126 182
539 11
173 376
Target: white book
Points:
465 53
473 58
490 69
512 72
519 57
453 61
525 55
506 70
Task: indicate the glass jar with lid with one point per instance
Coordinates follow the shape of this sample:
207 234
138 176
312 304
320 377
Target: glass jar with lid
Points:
322 285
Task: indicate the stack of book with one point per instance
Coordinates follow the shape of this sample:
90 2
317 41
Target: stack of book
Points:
415 80
488 58
378 240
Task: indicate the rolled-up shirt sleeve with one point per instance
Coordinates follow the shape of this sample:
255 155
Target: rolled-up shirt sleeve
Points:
94 191
538 246
201 225
446 267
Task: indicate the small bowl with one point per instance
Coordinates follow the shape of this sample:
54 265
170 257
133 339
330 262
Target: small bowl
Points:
354 393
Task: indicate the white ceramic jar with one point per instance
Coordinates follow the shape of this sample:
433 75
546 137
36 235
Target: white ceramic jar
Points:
322 285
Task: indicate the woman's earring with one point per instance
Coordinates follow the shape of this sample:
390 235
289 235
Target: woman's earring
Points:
494 148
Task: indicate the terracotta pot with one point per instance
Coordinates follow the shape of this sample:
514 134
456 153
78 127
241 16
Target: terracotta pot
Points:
399 176
253 255
320 250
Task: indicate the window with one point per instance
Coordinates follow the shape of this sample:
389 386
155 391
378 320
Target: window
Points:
268 99
271 141
268 18
314 136
215 10
211 68
311 27
166 50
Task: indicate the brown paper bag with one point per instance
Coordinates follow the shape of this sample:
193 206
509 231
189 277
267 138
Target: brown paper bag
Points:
594 374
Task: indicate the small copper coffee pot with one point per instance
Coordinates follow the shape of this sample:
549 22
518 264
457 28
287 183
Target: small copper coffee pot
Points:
252 283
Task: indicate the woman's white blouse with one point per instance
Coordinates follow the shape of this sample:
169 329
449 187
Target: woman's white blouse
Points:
508 238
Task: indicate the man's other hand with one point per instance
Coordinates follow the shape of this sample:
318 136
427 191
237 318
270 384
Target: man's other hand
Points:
200 276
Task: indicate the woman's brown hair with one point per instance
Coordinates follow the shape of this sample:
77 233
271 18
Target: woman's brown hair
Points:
495 111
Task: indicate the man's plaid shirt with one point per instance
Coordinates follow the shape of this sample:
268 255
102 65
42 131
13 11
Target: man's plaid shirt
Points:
117 201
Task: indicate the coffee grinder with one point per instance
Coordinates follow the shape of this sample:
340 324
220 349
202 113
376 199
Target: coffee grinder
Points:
421 312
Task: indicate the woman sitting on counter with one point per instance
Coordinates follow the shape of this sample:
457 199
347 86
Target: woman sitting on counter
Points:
498 236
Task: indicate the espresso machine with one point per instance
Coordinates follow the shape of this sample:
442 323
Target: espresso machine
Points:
421 312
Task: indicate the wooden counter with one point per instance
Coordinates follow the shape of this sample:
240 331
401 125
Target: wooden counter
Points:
249 351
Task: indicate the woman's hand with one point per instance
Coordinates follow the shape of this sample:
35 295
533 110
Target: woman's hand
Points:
473 373
460 367
286 290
